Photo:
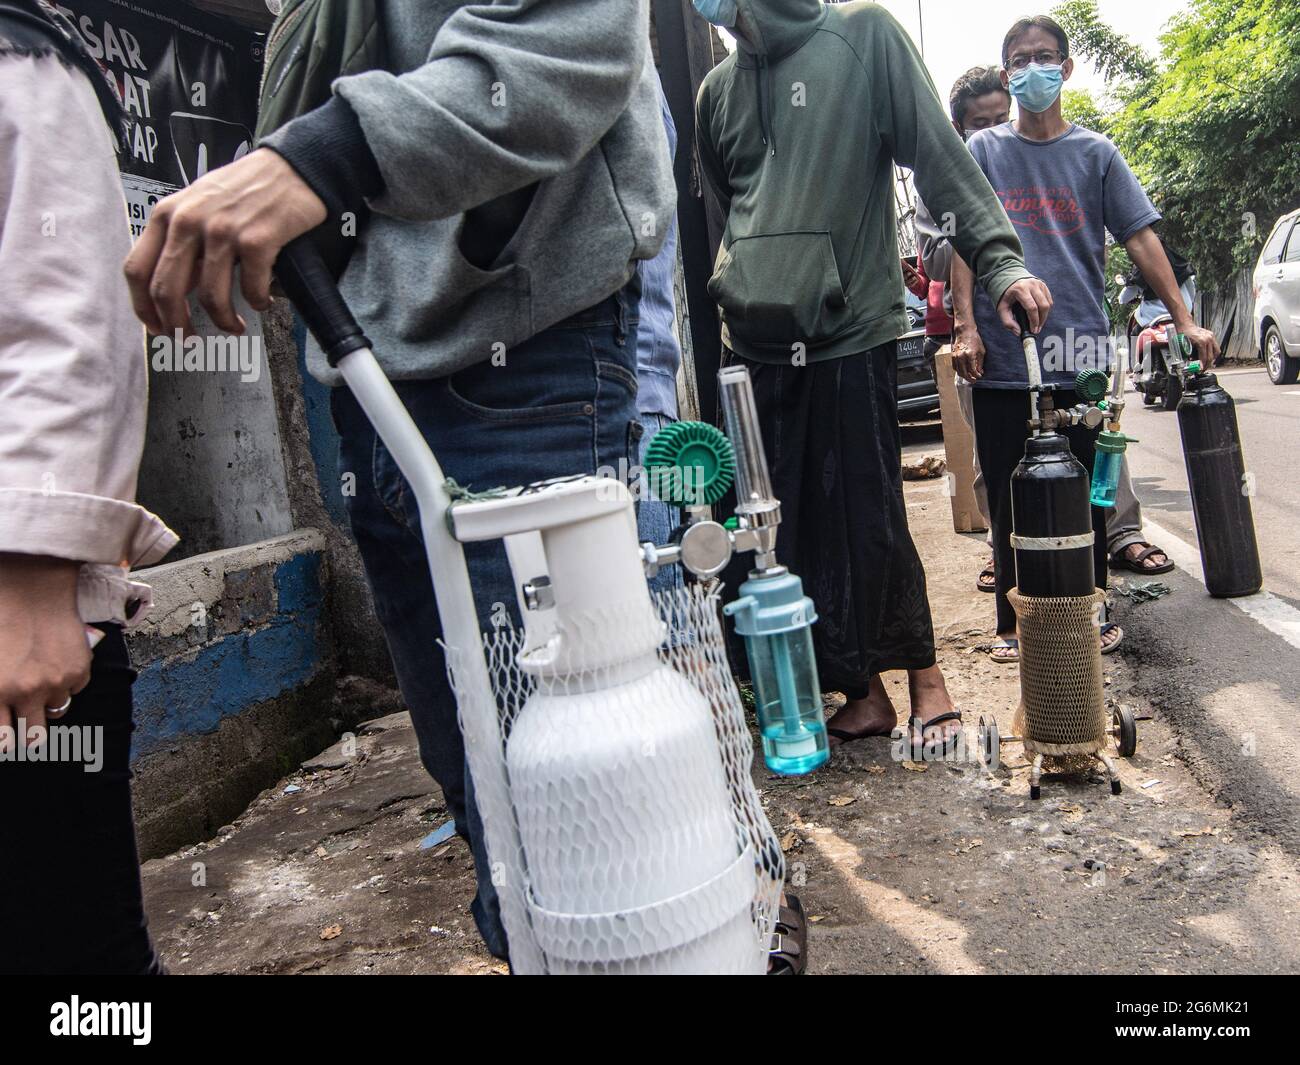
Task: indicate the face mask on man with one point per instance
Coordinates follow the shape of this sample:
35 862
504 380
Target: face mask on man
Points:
1036 88
719 12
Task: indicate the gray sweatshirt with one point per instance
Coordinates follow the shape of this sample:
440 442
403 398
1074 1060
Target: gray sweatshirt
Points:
535 122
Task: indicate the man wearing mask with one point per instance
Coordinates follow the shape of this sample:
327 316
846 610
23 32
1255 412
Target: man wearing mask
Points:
799 132
1063 187
980 101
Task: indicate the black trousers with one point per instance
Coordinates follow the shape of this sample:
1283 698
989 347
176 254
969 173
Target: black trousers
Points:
1001 415
833 445
69 871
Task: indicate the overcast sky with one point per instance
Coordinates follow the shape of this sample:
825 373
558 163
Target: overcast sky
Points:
960 34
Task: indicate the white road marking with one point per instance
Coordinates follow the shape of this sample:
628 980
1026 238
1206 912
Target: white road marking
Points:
1279 617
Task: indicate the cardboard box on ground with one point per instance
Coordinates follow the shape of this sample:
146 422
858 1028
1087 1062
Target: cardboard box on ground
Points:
959 445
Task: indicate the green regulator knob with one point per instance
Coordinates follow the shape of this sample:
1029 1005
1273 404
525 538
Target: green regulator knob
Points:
690 463
1091 385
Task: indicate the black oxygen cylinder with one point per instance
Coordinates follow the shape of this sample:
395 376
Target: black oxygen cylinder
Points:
1051 519
1216 476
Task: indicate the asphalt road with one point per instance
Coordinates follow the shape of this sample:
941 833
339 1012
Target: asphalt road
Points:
1226 673
1269 417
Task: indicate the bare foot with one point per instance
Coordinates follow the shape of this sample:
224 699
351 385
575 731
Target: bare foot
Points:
930 699
873 716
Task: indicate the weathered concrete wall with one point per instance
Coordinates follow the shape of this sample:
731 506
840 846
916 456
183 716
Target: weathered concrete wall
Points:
212 463
314 483
236 678
240 658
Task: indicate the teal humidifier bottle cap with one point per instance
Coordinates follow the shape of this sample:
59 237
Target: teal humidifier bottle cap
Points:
775 618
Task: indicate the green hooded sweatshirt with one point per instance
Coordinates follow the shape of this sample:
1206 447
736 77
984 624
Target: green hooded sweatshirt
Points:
798 135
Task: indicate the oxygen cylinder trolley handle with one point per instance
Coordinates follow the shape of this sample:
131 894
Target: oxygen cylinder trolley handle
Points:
308 284
1040 400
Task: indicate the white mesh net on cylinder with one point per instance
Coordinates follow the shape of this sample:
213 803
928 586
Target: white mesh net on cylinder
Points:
643 844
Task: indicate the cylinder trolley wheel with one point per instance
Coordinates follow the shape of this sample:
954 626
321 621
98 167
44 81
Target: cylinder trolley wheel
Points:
990 742
1125 731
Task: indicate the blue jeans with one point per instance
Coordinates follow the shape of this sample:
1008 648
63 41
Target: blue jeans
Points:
656 520
562 403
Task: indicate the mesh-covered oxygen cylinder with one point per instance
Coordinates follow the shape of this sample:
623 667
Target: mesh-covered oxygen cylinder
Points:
1062 711
605 738
1062 706
1220 488
642 846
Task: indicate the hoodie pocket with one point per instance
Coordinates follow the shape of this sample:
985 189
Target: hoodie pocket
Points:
778 289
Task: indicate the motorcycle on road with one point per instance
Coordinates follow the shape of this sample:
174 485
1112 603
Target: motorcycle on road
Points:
1157 356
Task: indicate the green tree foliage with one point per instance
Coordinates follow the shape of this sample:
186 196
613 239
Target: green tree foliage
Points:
1111 52
1079 107
1213 129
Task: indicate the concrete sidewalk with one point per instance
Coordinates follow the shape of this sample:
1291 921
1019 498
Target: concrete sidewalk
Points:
902 868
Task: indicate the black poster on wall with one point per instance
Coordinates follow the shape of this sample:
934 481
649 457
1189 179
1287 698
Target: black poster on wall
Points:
189 84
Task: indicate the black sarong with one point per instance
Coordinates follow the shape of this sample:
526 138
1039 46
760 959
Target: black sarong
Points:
835 452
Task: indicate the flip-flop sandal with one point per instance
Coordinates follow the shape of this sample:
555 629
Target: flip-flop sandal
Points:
1010 643
1108 627
991 586
845 736
917 729
788 955
1122 561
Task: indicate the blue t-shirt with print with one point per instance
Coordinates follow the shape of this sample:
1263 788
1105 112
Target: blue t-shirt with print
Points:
1062 196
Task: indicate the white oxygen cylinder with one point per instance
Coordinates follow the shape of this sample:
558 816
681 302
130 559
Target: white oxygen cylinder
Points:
631 850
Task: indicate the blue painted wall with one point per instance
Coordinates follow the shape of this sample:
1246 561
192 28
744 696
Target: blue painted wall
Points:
189 693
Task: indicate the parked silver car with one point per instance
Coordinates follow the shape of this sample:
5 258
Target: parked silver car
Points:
1277 301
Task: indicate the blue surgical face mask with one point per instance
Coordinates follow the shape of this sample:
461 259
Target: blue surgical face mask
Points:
1036 88
719 12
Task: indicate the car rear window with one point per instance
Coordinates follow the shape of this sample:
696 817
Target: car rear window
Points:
1277 240
1293 246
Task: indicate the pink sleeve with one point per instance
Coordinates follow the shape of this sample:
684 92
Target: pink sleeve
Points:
73 376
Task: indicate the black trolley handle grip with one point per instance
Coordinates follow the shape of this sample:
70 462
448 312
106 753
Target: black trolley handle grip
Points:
307 281
1022 320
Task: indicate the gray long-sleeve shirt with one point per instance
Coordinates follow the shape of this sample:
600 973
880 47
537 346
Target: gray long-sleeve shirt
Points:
483 100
